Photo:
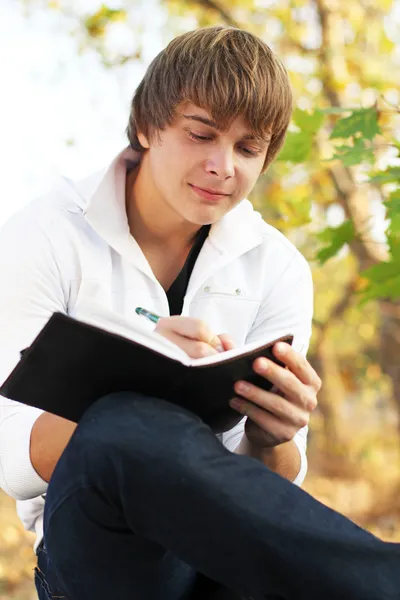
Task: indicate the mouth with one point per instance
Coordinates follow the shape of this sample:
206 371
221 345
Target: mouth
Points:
209 194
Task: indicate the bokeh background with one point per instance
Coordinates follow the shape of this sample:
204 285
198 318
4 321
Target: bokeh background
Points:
68 71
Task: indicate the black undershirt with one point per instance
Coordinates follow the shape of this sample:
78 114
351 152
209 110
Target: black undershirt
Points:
177 290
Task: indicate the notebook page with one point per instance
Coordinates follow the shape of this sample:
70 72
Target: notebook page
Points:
114 323
229 354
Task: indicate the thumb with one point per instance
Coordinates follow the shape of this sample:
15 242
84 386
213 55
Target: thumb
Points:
226 341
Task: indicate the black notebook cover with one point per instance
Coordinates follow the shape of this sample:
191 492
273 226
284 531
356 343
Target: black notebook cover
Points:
71 364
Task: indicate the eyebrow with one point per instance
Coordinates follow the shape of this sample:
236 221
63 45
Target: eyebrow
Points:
214 125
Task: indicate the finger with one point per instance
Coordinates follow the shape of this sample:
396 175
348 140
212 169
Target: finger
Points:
194 329
193 348
298 364
282 379
274 404
280 431
226 341
303 396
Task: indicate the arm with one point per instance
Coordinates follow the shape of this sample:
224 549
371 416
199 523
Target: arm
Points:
50 435
289 462
31 291
284 459
288 308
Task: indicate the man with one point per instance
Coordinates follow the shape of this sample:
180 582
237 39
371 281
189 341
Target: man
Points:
144 500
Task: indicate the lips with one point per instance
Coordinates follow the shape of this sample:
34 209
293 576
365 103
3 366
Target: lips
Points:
209 194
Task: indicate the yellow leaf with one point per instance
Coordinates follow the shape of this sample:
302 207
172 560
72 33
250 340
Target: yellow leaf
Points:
386 46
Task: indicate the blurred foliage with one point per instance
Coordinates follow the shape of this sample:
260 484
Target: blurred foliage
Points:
335 191
17 559
96 24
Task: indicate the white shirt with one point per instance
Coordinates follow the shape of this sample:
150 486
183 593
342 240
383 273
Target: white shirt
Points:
72 249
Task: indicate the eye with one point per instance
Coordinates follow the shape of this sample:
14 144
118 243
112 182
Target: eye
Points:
198 138
249 152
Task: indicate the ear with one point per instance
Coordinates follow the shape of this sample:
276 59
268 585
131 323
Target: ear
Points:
144 142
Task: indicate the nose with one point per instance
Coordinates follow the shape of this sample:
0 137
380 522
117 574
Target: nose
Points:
221 164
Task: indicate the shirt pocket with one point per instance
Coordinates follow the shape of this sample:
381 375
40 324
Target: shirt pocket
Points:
226 309
228 291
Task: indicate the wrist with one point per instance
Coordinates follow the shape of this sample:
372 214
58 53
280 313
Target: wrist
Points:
267 453
283 459
255 450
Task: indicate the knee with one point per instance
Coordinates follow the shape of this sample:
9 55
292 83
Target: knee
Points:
136 424
127 439
127 412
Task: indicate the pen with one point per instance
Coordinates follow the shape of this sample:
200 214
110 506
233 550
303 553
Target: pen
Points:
155 318
146 313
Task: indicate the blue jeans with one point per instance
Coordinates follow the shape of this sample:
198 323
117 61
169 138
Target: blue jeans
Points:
145 503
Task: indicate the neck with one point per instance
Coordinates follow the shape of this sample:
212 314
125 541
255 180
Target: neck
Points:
151 220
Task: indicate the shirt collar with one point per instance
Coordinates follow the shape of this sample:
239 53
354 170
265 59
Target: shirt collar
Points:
102 199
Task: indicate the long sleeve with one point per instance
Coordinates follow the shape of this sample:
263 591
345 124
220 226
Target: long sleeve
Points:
31 290
288 308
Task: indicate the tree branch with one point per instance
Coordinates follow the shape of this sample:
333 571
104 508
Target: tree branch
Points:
325 60
354 202
216 7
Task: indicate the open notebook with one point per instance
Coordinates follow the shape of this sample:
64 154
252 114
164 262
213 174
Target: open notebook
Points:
72 363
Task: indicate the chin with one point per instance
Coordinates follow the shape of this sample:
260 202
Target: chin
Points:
207 215
205 219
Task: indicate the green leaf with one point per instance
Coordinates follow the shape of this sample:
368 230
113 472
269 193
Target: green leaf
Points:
385 282
393 204
297 147
393 230
335 110
309 122
335 238
377 292
97 23
382 272
394 226
354 155
303 210
389 175
296 210
362 120
394 245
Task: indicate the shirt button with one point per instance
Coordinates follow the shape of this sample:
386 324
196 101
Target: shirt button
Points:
207 289
238 291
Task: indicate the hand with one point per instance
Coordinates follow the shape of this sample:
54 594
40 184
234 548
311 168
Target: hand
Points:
193 336
274 418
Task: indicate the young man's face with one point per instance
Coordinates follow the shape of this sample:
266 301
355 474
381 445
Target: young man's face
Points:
198 171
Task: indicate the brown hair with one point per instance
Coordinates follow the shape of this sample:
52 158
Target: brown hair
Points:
227 71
